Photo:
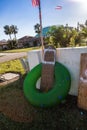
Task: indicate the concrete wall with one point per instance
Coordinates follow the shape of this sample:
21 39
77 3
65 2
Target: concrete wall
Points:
69 57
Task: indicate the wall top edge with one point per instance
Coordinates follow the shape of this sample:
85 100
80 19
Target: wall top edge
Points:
67 48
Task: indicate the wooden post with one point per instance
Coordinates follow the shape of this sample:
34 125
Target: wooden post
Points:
82 89
41 34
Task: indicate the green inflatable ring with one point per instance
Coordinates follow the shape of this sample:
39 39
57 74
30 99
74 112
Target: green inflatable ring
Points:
55 95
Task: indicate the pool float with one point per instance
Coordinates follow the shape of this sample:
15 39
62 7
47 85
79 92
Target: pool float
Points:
54 96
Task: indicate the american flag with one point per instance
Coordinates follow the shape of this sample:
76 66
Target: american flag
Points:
35 3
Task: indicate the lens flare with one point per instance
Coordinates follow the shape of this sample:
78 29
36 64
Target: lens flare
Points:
82 5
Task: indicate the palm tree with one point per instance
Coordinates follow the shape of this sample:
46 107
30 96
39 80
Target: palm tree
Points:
8 31
14 30
37 29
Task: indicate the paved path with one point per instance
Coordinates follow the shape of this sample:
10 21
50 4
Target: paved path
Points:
11 56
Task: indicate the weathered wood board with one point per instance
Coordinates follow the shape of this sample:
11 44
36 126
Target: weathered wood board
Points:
82 89
47 75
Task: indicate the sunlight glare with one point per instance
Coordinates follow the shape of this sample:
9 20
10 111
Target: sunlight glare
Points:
80 1
82 5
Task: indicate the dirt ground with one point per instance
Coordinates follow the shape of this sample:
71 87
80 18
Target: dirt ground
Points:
18 114
13 104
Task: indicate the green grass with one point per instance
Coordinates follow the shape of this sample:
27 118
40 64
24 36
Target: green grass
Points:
14 65
22 50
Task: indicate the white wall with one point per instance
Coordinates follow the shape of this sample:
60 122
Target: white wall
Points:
70 57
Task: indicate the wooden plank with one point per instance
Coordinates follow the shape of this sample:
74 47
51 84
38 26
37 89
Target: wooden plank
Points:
47 75
82 89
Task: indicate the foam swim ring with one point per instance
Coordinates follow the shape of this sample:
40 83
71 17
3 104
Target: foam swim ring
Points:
55 95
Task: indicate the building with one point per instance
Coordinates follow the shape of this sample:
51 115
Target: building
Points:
28 41
3 45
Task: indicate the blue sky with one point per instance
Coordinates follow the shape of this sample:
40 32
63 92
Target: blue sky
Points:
22 14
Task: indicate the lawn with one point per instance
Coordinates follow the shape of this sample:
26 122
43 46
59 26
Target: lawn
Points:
12 66
16 113
22 50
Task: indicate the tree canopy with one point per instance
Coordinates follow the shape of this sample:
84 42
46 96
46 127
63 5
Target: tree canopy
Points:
65 36
9 30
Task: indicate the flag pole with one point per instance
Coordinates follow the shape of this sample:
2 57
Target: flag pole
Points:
41 35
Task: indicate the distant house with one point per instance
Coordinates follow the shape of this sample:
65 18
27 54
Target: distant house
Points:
28 41
3 45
